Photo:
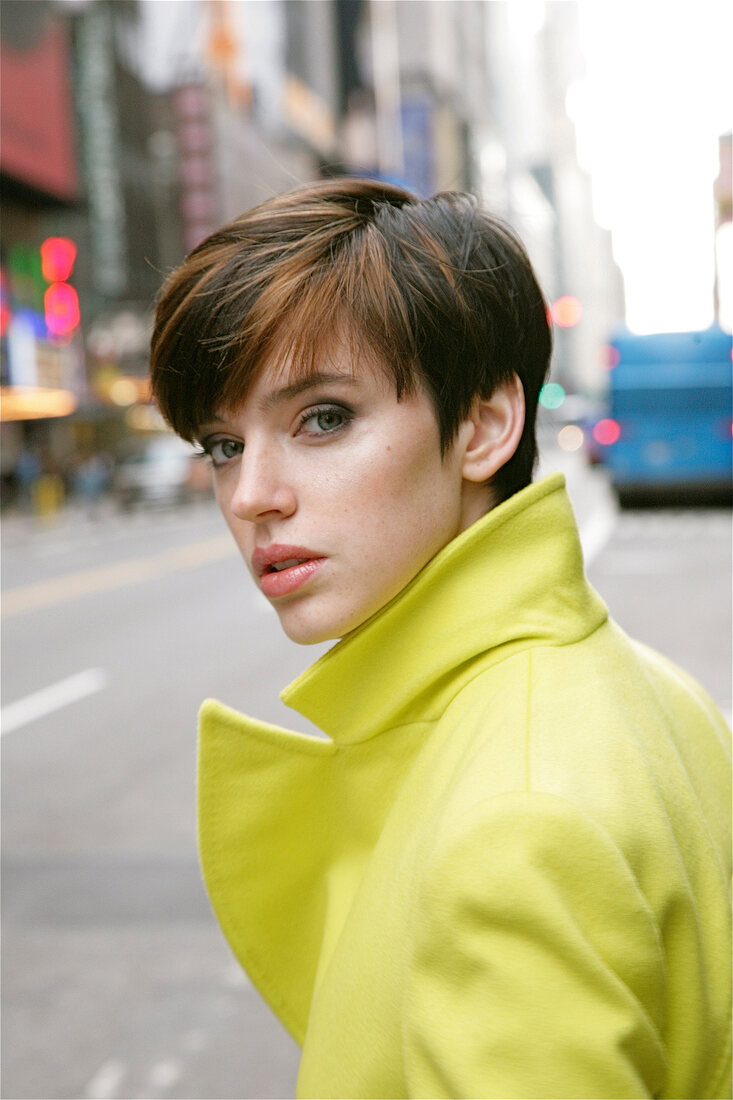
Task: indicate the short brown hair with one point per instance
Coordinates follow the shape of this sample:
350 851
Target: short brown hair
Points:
441 293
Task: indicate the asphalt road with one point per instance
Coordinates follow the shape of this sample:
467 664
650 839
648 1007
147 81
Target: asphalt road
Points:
116 981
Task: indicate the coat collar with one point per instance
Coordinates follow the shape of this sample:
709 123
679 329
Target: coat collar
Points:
512 579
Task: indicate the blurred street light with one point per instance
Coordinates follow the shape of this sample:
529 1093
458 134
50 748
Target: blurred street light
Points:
567 311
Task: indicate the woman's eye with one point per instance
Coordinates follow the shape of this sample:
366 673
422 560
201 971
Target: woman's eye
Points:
222 451
323 421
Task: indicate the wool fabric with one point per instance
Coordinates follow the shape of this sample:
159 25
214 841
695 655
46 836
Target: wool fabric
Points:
506 871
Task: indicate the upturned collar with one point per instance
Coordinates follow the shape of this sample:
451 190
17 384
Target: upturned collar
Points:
512 579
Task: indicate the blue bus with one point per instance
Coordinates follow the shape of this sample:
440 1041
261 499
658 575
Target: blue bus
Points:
669 423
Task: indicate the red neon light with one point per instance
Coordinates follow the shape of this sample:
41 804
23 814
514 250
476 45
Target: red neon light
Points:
58 255
61 304
5 313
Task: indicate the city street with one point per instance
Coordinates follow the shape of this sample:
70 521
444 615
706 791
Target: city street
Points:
116 979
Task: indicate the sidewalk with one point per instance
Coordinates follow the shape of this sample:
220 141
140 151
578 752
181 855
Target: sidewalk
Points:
75 518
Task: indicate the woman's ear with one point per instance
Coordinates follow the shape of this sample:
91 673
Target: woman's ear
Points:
498 422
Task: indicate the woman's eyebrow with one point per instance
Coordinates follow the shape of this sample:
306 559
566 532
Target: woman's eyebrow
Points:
284 393
311 381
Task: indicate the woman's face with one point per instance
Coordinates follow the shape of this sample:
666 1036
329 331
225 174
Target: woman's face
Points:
336 492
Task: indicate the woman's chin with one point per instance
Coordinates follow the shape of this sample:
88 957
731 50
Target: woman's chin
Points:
307 633
308 625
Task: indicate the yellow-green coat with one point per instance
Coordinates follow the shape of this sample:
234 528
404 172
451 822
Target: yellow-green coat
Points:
507 872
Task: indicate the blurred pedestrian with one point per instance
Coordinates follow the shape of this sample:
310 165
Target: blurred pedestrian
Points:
91 479
506 872
27 470
48 494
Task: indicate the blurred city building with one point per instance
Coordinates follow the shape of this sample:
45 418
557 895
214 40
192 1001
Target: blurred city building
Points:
132 128
433 94
42 371
532 176
89 222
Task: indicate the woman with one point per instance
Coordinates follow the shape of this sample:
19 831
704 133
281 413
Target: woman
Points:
505 873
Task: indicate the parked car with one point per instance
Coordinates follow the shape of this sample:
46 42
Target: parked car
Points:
164 471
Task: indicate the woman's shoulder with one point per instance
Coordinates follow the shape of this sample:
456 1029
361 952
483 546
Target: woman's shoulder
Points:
603 724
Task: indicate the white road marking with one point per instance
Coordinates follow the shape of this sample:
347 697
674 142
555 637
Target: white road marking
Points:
52 698
106 1081
164 1074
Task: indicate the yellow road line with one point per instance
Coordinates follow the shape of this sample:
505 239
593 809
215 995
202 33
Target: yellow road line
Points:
104 578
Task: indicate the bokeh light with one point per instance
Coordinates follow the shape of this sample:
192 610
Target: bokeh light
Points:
566 311
607 432
123 392
552 395
61 306
610 356
570 438
58 255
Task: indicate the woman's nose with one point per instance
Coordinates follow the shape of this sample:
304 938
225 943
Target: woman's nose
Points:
262 491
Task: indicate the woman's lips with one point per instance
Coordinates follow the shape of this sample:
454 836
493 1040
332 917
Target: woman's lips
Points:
285 581
284 569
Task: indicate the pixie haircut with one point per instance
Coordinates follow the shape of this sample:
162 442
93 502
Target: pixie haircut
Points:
436 292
